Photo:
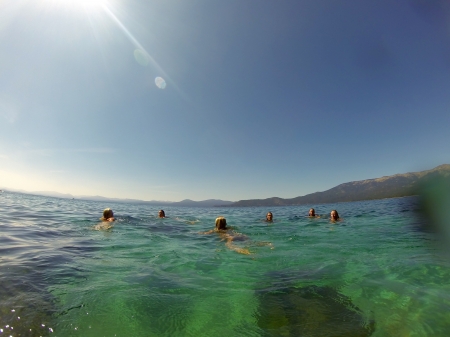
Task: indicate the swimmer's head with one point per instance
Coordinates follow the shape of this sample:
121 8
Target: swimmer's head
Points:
334 215
312 212
269 217
108 213
161 214
221 223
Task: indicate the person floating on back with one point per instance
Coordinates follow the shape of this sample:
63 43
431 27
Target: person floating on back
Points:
223 231
226 234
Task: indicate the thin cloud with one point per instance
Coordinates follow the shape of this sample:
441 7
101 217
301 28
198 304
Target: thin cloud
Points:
42 152
8 12
51 152
8 111
94 150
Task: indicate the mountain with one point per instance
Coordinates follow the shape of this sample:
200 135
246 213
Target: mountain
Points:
204 203
53 194
398 185
130 201
183 203
43 193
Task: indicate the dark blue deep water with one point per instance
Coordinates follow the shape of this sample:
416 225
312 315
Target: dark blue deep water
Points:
376 273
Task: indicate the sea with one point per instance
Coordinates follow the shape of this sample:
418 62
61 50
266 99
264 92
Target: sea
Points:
377 272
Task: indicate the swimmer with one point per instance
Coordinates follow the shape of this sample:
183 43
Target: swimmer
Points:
227 235
161 214
221 224
334 215
312 213
108 215
222 229
269 217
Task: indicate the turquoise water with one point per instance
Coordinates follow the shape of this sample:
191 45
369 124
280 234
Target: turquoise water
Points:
374 273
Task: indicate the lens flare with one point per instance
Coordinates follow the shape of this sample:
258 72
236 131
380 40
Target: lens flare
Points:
160 83
89 6
141 57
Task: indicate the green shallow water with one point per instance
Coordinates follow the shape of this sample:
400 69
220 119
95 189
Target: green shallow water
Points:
375 273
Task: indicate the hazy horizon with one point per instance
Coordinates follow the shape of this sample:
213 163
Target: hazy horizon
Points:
100 197
173 100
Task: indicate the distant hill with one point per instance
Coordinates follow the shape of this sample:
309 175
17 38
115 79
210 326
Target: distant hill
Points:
129 201
52 194
398 185
204 203
183 203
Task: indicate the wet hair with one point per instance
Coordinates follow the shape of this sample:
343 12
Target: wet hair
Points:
313 211
161 212
221 223
107 213
337 214
269 213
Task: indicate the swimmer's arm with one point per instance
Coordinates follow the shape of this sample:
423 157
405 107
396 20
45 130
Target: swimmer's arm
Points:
230 246
208 232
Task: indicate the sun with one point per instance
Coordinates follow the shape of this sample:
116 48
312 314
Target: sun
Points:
89 5
80 2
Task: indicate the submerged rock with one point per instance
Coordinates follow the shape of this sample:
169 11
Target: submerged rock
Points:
310 311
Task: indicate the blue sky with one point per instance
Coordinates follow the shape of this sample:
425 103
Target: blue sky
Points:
263 98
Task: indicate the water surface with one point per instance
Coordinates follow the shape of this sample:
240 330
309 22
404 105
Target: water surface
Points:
374 273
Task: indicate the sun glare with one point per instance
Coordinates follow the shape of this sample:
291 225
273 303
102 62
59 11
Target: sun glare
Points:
82 2
89 5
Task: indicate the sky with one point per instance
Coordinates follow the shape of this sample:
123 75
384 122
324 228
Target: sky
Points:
261 98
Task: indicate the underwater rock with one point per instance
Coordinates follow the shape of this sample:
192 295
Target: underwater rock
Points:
24 313
310 311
